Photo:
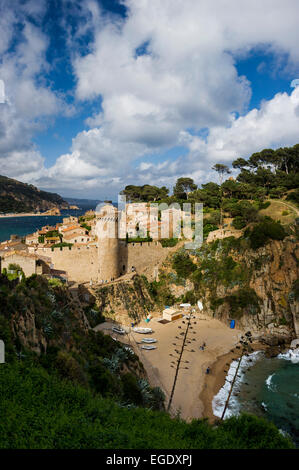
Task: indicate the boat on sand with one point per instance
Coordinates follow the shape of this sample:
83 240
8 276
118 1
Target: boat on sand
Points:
138 329
117 329
148 340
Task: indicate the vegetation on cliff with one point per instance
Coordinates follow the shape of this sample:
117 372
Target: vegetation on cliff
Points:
269 173
40 410
42 324
252 277
21 197
65 386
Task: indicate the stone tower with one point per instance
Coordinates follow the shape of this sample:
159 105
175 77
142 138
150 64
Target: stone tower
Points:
108 242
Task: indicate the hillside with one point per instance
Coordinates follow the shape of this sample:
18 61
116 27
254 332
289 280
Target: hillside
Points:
65 386
18 197
83 203
255 284
45 412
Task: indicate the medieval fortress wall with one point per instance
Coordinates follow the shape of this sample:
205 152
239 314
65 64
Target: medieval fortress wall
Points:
98 264
80 263
103 259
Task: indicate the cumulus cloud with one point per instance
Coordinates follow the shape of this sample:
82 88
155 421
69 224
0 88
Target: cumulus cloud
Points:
25 99
162 73
2 92
170 66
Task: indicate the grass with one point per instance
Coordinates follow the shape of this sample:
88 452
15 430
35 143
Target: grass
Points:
276 210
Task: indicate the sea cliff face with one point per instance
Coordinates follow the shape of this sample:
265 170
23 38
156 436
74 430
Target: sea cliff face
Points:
273 274
257 288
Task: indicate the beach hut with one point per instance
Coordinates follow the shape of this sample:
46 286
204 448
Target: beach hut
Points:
171 314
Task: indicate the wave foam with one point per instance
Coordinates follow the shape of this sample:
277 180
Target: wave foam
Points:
269 383
291 355
219 400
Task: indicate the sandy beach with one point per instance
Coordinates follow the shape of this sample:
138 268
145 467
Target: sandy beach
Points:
22 214
195 389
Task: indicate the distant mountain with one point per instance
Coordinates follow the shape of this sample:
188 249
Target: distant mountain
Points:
83 203
21 197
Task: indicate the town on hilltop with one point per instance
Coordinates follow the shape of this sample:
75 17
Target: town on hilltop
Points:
100 246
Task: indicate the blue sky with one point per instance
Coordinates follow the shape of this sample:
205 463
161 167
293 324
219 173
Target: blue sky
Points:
98 94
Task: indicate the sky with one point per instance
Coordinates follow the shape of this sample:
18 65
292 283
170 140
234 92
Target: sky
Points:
99 94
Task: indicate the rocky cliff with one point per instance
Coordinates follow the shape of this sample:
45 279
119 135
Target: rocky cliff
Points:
258 288
125 302
272 282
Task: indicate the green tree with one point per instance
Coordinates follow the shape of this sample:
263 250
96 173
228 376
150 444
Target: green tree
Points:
221 170
182 186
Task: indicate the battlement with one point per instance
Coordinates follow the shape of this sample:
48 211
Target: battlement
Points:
73 248
152 244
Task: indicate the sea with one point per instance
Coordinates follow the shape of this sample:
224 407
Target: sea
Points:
266 387
28 224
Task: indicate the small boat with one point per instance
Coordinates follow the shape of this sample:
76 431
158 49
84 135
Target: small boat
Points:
148 340
142 330
148 348
117 329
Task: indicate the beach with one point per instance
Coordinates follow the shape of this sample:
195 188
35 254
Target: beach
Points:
195 389
24 214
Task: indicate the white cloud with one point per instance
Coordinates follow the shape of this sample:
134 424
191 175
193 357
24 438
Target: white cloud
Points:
25 99
186 79
2 92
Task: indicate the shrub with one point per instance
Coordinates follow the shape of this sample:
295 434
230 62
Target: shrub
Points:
263 205
294 196
44 412
167 242
103 381
131 390
68 367
207 228
265 230
183 264
213 219
244 300
190 297
239 222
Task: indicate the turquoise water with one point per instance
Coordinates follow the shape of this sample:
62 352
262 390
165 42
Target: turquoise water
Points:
273 392
24 225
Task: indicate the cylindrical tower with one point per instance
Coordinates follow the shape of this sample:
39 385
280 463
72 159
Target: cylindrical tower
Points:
108 243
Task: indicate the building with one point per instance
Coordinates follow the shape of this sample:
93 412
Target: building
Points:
32 239
72 229
171 314
76 238
108 243
30 263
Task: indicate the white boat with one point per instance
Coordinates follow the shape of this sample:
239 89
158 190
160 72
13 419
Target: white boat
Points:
148 347
138 329
117 329
148 340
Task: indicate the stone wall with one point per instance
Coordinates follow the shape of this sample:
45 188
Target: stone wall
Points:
83 263
80 263
27 263
223 233
145 257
